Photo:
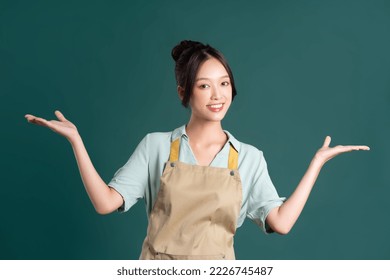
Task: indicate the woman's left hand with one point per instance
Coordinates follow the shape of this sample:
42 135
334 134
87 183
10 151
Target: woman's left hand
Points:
281 219
326 153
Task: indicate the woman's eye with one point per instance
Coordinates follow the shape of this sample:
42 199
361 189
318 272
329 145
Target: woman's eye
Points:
204 86
225 83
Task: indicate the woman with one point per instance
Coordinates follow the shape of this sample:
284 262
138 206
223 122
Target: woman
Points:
199 182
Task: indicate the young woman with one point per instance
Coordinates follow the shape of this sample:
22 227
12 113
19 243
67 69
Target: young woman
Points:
199 182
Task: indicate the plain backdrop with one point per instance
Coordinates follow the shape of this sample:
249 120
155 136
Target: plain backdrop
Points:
303 70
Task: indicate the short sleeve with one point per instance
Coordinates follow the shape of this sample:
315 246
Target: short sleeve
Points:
263 196
131 180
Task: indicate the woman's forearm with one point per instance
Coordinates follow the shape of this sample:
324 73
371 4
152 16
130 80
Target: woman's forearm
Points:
283 218
104 199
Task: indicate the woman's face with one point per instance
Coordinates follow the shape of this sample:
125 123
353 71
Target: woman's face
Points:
212 92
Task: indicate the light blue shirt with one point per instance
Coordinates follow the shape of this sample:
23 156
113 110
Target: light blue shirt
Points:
140 176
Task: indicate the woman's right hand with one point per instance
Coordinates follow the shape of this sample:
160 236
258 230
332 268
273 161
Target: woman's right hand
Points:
62 127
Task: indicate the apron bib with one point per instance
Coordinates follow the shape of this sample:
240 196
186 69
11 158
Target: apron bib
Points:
196 211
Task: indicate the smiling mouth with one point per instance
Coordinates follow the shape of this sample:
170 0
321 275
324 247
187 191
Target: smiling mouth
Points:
216 106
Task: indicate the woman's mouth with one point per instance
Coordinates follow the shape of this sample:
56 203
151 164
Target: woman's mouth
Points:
215 107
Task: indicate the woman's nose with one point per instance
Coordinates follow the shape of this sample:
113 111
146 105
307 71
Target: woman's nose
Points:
215 93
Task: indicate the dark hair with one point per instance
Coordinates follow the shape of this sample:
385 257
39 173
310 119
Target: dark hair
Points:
189 55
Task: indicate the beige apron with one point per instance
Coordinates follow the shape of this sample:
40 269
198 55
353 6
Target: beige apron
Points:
196 211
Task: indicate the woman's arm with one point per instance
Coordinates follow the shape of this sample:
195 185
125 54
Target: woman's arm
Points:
281 219
104 199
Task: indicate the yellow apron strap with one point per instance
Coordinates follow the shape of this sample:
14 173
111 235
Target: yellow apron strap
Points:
233 158
233 154
174 155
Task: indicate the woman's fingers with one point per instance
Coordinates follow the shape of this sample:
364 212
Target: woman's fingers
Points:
29 117
60 116
41 121
344 148
326 153
36 120
337 150
355 148
61 126
327 141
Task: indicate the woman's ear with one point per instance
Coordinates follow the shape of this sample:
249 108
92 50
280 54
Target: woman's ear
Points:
180 91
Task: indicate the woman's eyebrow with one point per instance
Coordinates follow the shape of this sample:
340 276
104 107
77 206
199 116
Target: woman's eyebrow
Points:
198 79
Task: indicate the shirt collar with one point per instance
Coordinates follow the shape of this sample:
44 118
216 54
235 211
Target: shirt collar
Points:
181 132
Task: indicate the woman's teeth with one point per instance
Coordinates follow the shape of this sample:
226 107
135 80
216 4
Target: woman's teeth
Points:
216 106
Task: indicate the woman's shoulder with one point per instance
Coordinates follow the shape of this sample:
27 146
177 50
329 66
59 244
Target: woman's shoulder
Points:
166 136
251 159
250 150
154 140
243 148
158 139
158 136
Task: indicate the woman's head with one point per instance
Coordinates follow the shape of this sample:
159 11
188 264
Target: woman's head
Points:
189 56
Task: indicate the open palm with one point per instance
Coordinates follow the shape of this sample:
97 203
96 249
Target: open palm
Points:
62 126
326 153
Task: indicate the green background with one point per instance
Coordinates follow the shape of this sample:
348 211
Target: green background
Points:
303 70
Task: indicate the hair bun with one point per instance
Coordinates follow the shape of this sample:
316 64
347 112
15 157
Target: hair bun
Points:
183 47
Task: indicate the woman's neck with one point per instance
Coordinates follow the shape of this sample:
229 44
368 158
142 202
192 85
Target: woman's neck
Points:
205 133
